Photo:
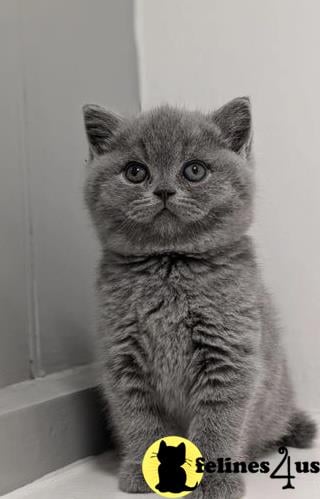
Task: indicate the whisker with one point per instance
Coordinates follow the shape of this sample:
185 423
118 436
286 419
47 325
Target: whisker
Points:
136 209
137 202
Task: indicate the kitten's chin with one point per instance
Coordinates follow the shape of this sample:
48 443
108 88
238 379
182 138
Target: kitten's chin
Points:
166 224
165 215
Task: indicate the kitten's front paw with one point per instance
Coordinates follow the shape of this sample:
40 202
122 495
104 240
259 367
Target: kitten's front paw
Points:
131 478
218 487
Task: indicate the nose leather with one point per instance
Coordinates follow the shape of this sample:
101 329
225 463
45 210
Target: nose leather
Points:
164 194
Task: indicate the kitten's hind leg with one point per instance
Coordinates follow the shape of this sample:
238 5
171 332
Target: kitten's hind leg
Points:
301 431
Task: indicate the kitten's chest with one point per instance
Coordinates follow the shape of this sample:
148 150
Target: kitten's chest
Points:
167 321
170 337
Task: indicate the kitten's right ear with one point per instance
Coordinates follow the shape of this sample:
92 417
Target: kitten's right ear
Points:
182 450
101 126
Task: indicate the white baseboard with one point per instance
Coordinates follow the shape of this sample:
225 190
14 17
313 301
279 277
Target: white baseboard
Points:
48 423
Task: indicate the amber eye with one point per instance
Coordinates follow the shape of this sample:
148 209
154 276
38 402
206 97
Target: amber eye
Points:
136 172
194 171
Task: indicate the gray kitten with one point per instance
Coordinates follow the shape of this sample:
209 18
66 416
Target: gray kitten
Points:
188 339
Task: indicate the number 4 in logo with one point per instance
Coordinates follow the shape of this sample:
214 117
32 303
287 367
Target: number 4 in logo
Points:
288 476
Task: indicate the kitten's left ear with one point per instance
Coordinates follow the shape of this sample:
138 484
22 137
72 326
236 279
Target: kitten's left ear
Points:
235 123
101 126
162 447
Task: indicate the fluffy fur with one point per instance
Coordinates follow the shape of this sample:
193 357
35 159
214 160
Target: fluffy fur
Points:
187 336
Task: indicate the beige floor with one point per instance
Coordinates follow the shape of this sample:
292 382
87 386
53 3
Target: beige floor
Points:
95 478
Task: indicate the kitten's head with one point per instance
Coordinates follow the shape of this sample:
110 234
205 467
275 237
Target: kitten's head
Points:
170 455
170 179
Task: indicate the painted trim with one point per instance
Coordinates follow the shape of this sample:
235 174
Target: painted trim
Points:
36 369
139 46
48 423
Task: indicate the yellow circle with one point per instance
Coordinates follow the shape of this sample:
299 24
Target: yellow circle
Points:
169 467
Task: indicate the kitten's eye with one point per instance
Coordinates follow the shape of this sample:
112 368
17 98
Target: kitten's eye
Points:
194 171
136 172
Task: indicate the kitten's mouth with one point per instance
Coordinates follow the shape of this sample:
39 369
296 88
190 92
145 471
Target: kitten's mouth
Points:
164 212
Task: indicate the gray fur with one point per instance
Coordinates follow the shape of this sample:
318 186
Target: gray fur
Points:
188 341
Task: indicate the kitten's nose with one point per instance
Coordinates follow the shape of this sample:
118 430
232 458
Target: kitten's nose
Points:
164 194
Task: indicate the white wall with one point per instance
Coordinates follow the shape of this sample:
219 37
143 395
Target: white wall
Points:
55 56
200 53
73 52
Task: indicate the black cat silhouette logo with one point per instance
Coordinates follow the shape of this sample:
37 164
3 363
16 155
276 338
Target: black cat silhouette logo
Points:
172 477
169 467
